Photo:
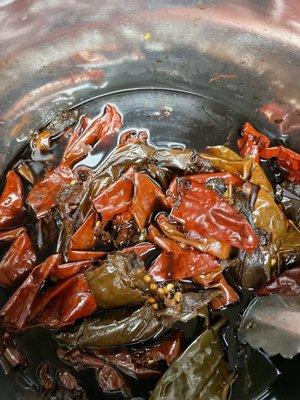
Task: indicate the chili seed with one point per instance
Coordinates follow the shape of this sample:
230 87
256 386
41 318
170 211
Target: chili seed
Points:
153 286
177 297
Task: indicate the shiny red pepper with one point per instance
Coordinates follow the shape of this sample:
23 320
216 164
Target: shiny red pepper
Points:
78 255
43 196
133 137
177 263
252 142
64 303
12 209
143 250
227 294
66 270
203 212
203 178
16 311
8 236
86 135
19 259
287 159
148 196
114 200
84 238
186 264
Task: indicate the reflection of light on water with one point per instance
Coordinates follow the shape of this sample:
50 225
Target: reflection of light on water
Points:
92 160
171 145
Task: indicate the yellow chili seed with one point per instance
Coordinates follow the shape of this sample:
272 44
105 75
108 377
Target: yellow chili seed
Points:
273 261
161 291
170 287
155 306
151 300
177 297
147 278
153 286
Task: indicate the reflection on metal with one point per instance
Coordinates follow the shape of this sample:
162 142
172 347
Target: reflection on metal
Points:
57 53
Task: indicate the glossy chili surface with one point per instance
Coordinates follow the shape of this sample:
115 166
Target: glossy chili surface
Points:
115 262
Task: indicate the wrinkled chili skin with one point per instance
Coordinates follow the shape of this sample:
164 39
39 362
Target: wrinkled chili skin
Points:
174 231
114 200
204 213
12 209
42 198
44 195
257 145
114 259
16 311
18 261
177 263
63 304
252 142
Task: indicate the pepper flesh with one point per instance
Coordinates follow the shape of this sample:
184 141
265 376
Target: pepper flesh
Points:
176 263
19 259
18 308
61 305
12 201
204 213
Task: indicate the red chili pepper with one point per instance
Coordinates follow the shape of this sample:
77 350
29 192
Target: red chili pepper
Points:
252 142
8 236
143 250
19 259
17 309
203 212
176 263
84 238
186 264
148 196
77 255
227 296
167 350
133 137
80 142
203 178
114 200
173 230
42 197
134 191
64 303
109 378
12 201
66 270
145 362
287 159
165 243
